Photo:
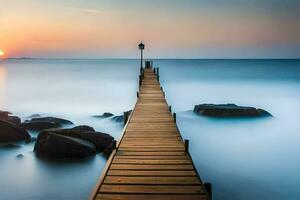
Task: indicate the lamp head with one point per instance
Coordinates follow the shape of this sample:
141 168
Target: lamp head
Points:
141 46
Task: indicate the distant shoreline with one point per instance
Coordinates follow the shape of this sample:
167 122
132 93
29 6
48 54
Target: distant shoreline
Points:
32 58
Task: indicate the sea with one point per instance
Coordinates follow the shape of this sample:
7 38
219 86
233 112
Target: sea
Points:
242 158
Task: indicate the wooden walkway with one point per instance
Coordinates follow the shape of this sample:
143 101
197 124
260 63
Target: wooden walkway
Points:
150 161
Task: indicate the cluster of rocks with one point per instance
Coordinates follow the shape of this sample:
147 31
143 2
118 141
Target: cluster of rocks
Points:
116 118
10 130
53 140
77 142
229 110
42 123
8 117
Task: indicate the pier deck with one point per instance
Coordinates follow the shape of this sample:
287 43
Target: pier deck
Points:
150 161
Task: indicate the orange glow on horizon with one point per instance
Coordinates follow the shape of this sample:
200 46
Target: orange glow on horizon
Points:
2 53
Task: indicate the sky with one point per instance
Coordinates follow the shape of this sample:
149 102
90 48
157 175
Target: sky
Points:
169 28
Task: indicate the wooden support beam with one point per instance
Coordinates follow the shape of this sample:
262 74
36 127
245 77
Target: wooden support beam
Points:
208 187
186 145
174 116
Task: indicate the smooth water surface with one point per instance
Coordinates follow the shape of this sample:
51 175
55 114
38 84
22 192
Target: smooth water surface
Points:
243 159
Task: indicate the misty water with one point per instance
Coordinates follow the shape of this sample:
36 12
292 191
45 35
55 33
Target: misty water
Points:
242 158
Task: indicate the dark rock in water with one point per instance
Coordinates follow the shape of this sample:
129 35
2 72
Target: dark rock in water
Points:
4 113
121 118
9 146
15 120
6 116
101 141
118 118
83 128
229 110
42 123
10 132
52 145
104 115
51 119
34 116
19 156
39 125
109 149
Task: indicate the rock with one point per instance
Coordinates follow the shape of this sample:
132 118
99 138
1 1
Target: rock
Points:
34 116
42 123
7 116
49 140
52 145
9 146
15 120
19 156
121 118
10 132
39 125
4 113
116 118
109 149
51 119
104 115
229 110
100 140
83 128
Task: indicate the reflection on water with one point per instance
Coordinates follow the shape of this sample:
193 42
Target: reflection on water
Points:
244 159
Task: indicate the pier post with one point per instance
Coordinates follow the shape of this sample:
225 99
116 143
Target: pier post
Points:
164 94
174 116
161 89
140 80
114 144
208 187
186 145
141 70
125 115
170 108
137 94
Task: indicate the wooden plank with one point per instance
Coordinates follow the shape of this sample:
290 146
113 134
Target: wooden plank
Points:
152 162
158 189
152 180
151 167
148 197
153 157
140 173
152 149
143 153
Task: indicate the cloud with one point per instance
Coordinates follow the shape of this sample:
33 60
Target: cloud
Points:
86 10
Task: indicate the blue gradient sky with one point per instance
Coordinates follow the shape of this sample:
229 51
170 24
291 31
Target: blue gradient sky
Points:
169 28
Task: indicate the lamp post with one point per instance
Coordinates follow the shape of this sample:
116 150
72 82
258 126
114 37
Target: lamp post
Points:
141 47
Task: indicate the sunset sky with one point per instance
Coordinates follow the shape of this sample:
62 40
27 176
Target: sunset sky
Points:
169 28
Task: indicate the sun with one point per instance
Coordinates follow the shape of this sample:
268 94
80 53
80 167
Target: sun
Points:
2 53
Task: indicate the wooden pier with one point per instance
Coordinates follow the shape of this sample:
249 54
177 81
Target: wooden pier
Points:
151 161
